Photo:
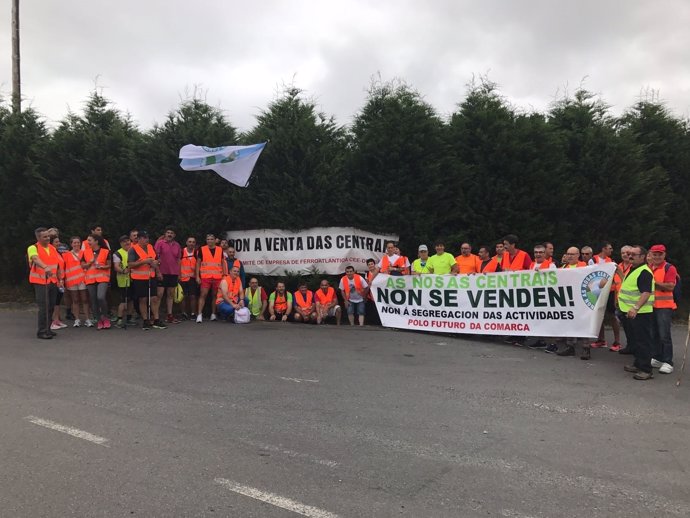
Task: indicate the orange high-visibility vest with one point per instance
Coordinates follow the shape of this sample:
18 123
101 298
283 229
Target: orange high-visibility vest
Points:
598 259
618 276
662 299
37 275
74 272
490 267
328 297
211 264
235 262
280 302
304 303
94 275
143 272
516 264
234 287
346 285
187 265
399 263
544 265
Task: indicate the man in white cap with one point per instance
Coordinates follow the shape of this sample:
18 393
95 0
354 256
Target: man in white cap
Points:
420 266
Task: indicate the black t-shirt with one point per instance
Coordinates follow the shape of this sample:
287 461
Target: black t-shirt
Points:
644 281
133 256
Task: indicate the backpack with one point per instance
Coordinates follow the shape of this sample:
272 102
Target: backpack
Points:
242 316
678 288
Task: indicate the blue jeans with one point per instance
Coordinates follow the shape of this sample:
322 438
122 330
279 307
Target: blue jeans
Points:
661 332
225 310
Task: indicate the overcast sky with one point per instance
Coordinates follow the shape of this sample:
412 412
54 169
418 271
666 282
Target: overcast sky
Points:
147 54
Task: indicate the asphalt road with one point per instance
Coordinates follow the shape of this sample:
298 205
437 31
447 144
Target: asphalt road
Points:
270 420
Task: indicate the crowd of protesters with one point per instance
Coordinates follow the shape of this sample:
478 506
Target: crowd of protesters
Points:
80 273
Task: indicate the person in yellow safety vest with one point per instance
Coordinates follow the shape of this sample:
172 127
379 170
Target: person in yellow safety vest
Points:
211 267
665 279
190 288
124 284
636 302
257 299
303 303
45 276
421 264
353 289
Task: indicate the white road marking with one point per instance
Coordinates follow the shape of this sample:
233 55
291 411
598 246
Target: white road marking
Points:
289 453
298 380
74 432
276 500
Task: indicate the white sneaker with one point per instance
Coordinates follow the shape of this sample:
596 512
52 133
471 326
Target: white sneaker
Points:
199 318
77 323
54 326
656 364
61 324
88 323
666 368
213 317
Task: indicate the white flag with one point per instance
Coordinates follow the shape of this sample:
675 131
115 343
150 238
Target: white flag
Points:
234 163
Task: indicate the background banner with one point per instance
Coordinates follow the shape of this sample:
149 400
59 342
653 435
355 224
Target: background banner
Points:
550 303
326 249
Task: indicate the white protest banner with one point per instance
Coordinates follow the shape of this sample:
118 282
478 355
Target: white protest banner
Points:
551 303
327 250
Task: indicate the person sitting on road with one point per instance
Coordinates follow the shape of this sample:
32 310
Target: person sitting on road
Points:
326 303
230 296
280 304
304 306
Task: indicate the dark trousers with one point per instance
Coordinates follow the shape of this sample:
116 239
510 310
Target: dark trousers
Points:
661 335
640 338
626 329
42 291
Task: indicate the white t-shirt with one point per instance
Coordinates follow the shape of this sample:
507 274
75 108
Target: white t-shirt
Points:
354 294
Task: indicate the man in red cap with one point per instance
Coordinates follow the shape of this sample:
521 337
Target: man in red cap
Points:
665 279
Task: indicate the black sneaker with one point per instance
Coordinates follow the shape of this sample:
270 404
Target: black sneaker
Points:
146 325
625 350
551 348
44 336
70 315
158 324
568 351
539 344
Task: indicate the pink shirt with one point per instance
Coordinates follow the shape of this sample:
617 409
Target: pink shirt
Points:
169 255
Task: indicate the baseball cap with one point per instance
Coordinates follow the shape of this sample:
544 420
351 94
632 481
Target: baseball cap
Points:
658 248
143 233
422 248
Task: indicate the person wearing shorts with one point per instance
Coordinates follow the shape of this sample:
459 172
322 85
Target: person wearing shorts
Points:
143 268
169 253
211 267
353 288
326 303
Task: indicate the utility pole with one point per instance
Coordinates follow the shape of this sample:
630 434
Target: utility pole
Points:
16 77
